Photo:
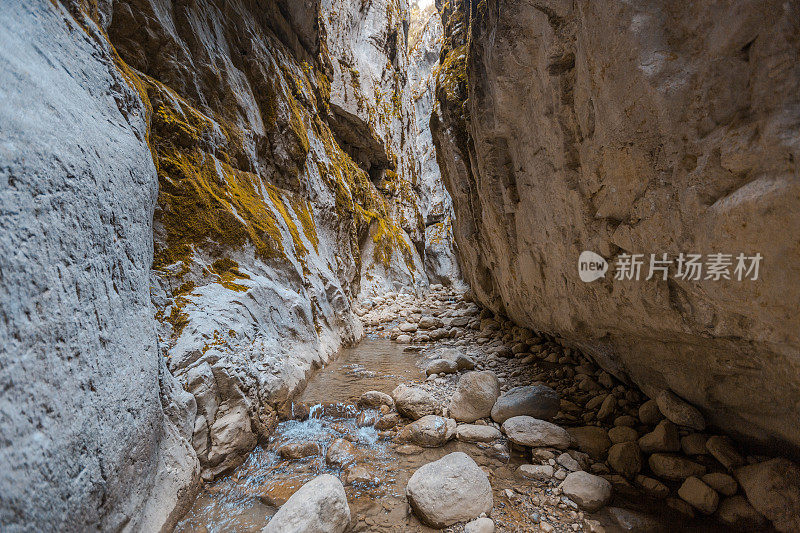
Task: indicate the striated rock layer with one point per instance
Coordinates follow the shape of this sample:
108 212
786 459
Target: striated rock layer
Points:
635 127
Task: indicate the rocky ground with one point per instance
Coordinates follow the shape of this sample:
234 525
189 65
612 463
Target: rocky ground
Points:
593 441
534 437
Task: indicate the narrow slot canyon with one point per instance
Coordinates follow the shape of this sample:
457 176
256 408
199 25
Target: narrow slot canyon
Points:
322 266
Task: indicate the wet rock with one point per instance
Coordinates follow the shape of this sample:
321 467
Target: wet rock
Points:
450 490
620 434
538 401
367 418
298 450
625 458
529 431
679 411
474 397
409 449
699 495
674 467
414 402
362 474
319 505
737 512
441 366
430 431
476 433
664 438
374 399
773 489
341 453
722 449
590 492
722 483
591 439
649 413
387 422
480 525
539 472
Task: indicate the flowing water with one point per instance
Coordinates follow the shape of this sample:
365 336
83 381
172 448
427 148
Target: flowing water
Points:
245 500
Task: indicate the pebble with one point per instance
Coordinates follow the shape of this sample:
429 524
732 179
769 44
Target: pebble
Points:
625 458
664 438
539 472
722 449
620 434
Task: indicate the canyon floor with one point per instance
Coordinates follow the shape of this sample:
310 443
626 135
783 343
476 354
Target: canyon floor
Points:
424 384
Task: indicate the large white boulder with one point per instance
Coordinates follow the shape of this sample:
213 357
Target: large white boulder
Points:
452 489
319 506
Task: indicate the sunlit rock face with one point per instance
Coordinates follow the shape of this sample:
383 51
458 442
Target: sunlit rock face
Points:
220 186
635 128
424 45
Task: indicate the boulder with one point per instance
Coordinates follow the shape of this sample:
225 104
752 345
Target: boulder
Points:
430 431
298 450
450 490
529 431
699 495
592 440
374 399
664 438
480 525
476 433
773 489
341 453
722 483
319 505
538 401
625 458
737 513
474 397
590 492
674 467
414 402
619 434
538 472
441 366
679 411
723 450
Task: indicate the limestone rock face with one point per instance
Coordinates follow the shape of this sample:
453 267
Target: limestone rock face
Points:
287 189
95 432
666 135
425 34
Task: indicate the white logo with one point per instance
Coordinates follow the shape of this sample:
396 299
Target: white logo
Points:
591 266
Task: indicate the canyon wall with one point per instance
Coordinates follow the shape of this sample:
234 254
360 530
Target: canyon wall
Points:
197 190
425 43
625 128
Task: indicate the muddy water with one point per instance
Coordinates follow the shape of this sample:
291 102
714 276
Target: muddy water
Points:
245 500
